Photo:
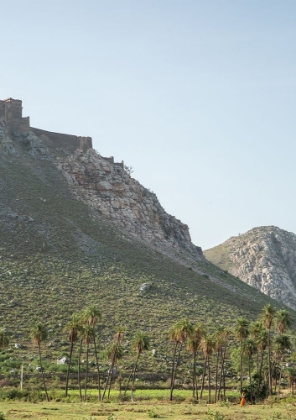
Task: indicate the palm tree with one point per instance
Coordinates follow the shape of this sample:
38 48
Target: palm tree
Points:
241 333
39 334
267 318
72 329
226 337
114 352
249 349
282 343
140 343
86 334
178 333
262 342
91 316
283 320
219 338
255 330
193 343
207 345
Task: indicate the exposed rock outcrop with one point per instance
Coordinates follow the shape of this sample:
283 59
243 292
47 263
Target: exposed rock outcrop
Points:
109 189
265 258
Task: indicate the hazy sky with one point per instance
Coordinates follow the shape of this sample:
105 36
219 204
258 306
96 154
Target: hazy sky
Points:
198 96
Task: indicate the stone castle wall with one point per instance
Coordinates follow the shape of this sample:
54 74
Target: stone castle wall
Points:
11 113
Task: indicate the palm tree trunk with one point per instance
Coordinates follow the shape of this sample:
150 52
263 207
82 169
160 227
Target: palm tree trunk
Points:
86 372
222 375
98 368
110 383
69 365
109 377
216 376
269 366
79 368
134 375
173 371
280 379
106 384
194 382
177 363
241 369
43 379
260 372
128 380
250 380
209 381
203 378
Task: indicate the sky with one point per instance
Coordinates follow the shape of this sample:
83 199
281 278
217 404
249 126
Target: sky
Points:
197 96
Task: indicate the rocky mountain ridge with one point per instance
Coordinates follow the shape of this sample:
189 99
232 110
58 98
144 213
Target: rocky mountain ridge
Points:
263 257
106 187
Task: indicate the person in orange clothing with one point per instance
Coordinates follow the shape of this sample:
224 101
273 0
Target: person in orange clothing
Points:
243 399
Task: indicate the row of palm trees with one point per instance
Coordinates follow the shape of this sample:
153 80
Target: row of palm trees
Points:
266 338
81 328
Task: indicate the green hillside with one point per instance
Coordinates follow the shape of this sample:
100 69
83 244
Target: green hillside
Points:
56 257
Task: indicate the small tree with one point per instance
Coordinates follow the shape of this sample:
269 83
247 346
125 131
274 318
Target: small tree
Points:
72 329
38 335
241 333
140 343
113 353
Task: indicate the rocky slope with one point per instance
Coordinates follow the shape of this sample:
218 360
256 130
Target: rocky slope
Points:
108 189
265 258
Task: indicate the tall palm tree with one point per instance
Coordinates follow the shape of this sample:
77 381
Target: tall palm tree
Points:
255 330
193 343
38 335
207 345
86 334
178 333
226 336
282 320
219 338
91 316
72 329
262 342
114 352
282 343
140 343
267 318
241 333
250 348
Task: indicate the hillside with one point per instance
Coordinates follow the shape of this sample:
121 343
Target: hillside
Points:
264 258
64 246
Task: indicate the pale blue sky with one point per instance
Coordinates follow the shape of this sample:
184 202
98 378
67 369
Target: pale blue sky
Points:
199 97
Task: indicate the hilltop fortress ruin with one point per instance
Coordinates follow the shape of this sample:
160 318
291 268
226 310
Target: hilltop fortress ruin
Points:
11 112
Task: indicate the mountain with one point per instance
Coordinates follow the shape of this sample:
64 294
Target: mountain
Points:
264 258
77 229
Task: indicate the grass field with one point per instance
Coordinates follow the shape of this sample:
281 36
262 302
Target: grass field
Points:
139 411
149 404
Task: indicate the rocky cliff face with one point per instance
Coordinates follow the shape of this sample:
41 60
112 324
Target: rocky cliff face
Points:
114 194
108 188
265 258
